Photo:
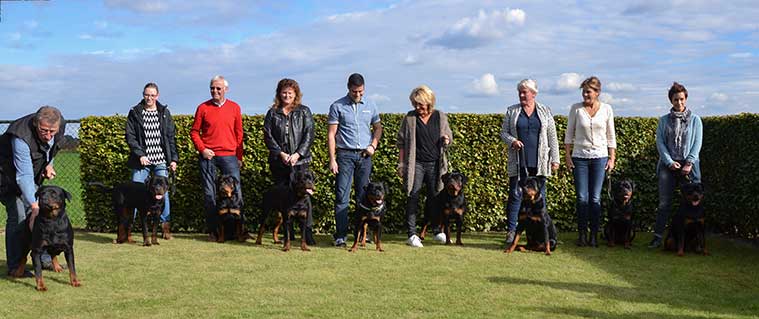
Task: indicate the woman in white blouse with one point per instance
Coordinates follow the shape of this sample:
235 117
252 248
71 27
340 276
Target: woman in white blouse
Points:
590 145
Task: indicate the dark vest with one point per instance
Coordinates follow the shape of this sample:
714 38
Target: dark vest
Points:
25 129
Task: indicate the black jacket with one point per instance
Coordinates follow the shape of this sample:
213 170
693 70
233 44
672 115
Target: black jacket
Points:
135 135
25 129
299 139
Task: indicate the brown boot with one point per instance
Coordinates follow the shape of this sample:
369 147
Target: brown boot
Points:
166 227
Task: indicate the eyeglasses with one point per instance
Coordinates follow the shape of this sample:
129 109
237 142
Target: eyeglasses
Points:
150 95
47 131
216 88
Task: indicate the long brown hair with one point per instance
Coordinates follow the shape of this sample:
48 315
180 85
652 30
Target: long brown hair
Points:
283 84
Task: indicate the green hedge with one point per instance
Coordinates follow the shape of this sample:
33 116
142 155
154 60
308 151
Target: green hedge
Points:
728 166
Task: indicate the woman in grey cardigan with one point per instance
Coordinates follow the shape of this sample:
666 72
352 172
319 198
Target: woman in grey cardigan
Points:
423 134
530 132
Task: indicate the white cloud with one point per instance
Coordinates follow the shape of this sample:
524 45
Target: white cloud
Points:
486 85
140 6
410 59
610 99
472 32
741 55
719 97
568 82
620 87
379 99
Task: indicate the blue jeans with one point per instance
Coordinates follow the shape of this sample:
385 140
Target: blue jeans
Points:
228 166
14 231
352 167
589 176
668 180
515 198
141 176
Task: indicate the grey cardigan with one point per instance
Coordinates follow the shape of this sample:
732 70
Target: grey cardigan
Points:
406 141
548 143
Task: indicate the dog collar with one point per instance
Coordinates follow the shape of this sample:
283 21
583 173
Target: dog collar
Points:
372 209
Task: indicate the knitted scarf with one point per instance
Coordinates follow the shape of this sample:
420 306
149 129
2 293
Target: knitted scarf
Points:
677 129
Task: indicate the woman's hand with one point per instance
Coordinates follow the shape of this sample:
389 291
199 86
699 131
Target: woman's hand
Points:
401 170
517 145
446 139
610 164
570 164
284 157
293 159
686 168
675 166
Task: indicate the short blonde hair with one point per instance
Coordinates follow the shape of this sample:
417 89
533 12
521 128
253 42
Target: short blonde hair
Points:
422 94
591 83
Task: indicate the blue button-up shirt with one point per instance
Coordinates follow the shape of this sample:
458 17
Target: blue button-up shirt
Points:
354 121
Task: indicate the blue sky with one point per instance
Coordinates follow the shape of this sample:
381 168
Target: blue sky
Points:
93 57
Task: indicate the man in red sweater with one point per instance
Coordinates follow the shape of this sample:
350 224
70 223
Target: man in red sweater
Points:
217 135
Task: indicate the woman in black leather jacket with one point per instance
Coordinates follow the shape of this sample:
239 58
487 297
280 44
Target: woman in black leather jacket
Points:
288 132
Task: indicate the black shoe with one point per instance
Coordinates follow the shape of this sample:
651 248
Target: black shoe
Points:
593 240
582 240
510 237
655 243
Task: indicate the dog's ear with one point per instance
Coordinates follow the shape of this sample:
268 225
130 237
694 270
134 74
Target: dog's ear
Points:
66 194
464 179
38 192
384 188
445 178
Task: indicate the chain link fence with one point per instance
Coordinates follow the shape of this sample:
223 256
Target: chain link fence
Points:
66 165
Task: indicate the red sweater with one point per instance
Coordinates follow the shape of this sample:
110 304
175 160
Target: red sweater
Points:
218 128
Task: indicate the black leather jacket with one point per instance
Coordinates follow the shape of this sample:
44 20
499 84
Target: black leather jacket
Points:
296 137
135 135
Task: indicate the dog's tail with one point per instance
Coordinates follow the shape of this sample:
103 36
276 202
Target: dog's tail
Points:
100 186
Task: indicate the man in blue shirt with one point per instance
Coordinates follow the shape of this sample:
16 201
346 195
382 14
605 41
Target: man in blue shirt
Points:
27 149
353 134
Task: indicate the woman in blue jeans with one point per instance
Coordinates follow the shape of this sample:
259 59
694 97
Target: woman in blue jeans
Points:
530 132
590 145
150 134
678 140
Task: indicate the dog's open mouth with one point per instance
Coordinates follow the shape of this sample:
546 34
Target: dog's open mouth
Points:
310 191
378 201
158 196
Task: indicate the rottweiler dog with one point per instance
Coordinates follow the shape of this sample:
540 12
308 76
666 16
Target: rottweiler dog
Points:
291 201
534 220
52 233
619 229
687 230
369 214
229 209
449 204
147 198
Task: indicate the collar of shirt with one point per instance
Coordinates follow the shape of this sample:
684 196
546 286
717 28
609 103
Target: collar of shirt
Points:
219 104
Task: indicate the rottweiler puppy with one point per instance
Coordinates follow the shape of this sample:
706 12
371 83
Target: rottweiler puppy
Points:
147 198
52 233
687 230
449 204
290 201
369 214
534 220
619 229
229 209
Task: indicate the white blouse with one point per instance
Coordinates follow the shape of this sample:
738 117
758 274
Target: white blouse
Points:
591 136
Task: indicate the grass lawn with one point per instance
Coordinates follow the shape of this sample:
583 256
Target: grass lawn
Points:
190 278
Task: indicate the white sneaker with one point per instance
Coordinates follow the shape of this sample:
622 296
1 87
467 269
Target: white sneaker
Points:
440 238
414 241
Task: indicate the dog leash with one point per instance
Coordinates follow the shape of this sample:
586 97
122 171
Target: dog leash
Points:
172 182
445 154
